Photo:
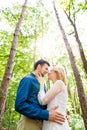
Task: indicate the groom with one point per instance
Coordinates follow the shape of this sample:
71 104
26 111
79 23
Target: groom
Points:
27 104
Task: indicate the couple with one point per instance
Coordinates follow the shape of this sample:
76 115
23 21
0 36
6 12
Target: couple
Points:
41 110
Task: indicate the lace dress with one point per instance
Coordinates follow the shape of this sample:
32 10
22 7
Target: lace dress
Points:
57 95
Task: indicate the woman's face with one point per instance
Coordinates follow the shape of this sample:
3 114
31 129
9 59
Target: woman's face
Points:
52 75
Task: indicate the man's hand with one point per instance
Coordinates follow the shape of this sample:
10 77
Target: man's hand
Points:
55 116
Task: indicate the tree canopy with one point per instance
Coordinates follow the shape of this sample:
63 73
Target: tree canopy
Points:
40 37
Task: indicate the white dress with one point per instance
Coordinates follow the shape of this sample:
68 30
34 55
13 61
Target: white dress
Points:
57 95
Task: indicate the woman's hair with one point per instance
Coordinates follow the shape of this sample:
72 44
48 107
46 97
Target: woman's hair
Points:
61 75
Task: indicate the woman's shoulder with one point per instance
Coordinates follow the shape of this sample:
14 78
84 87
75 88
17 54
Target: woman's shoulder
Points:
61 84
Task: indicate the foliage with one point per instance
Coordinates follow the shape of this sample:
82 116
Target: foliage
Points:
24 59
36 23
76 122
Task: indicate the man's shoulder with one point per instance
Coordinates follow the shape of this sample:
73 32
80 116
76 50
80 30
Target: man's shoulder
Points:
30 76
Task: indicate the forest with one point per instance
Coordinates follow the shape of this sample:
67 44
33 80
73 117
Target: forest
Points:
43 29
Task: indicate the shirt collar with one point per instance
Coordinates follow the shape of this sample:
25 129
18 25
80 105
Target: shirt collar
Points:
33 74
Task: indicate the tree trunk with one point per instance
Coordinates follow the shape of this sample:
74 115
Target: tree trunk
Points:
82 55
81 93
9 67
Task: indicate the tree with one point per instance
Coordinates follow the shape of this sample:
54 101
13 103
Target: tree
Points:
73 23
9 68
81 93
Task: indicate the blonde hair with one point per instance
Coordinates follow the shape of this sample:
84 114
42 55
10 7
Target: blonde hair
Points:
61 75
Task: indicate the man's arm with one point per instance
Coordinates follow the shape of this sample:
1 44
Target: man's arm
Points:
55 116
23 106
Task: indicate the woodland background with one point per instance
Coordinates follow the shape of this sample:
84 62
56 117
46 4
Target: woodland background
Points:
52 30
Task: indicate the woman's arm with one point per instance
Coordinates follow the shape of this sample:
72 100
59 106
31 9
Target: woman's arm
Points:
45 98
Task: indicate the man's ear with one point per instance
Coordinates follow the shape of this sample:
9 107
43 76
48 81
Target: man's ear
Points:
39 66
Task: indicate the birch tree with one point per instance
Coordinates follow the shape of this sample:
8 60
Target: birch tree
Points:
73 23
10 64
81 93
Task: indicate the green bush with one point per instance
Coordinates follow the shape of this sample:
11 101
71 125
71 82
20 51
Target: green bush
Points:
76 122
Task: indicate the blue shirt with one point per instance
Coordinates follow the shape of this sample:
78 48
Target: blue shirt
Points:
26 102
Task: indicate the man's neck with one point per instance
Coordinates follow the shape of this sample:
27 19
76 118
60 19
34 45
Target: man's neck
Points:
35 72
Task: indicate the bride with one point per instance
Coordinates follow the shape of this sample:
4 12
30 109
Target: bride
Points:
56 95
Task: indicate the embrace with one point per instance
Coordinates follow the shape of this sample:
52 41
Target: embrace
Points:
42 110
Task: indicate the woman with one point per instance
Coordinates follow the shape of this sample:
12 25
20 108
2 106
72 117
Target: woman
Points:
56 95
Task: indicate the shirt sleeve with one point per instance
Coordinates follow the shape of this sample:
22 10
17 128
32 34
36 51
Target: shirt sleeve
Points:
26 108
45 98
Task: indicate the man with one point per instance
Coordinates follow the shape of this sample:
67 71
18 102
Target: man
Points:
27 102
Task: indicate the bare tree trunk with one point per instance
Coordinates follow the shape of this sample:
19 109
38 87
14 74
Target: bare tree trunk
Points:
82 55
10 63
81 93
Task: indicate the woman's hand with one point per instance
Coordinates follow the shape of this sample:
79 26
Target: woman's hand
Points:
41 80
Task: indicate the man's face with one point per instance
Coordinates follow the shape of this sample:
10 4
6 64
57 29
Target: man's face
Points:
44 69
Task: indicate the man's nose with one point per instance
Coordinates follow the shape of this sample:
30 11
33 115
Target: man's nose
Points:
48 72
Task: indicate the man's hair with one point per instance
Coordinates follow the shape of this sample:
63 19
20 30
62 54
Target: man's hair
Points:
41 62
